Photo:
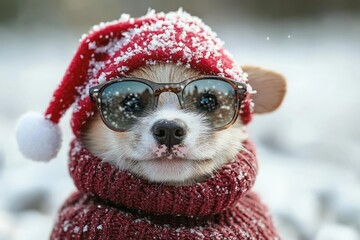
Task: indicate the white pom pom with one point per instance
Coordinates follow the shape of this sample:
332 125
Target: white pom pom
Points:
38 139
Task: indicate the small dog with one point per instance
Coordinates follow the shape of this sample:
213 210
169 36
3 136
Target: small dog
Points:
161 148
201 151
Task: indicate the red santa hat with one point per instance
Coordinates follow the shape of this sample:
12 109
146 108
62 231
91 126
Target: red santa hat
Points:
113 49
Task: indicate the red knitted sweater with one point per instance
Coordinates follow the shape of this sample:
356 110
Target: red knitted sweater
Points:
114 204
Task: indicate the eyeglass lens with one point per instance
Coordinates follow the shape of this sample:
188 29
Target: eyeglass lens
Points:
213 98
123 102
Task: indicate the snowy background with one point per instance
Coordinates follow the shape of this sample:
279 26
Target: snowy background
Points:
309 149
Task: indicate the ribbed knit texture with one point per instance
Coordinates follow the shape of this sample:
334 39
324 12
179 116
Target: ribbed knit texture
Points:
114 204
84 217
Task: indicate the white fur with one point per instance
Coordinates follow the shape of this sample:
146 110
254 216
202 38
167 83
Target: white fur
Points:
38 138
201 152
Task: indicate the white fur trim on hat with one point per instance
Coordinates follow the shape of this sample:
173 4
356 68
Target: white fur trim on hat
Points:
38 139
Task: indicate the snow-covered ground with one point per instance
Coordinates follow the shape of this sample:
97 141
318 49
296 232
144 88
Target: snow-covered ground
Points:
308 150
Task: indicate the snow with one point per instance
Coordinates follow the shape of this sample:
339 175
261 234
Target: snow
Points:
308 150
335 232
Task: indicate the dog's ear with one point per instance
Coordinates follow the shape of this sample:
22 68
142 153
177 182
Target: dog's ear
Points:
270 88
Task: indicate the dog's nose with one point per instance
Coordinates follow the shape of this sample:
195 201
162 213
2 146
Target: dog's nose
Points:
169 132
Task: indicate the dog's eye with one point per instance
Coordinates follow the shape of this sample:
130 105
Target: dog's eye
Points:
132 103
207 102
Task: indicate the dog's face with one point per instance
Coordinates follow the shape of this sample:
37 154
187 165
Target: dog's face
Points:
171 145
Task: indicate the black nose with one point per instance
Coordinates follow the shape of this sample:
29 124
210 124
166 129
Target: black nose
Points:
169 132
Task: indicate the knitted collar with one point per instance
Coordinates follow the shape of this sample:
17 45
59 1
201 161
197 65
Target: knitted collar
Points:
121 188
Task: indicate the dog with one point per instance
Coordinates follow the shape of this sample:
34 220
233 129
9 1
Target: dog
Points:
161 148
202 151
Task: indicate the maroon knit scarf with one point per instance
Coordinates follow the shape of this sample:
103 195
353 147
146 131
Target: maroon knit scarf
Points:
113 204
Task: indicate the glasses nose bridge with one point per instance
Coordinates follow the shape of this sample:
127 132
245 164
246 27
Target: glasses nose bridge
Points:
169 91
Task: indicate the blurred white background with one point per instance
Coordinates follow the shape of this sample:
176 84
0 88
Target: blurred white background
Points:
309 150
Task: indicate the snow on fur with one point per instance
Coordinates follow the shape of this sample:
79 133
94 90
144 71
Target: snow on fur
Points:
38 138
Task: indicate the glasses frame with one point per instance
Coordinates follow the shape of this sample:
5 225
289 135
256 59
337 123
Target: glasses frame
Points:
177 88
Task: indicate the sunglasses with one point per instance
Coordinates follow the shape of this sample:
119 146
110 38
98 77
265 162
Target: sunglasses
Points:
122 101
